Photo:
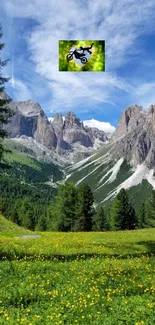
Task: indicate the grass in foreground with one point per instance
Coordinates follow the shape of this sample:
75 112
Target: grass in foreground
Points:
78 278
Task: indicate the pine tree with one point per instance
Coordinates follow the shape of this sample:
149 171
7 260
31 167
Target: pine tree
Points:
5 112
100 221
26 214
84 208
150 210
122 213
41 225
62 210
142 222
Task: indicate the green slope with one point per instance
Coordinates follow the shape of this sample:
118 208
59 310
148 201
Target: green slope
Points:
28 186
26 167
19 153
99 172
9 228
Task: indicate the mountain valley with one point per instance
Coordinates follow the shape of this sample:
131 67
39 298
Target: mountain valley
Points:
63 149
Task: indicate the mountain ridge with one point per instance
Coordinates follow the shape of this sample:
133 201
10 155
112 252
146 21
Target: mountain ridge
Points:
127 161
67 139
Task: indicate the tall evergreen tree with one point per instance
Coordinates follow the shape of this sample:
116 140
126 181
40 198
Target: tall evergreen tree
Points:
84 208
123 215
41 225
62 210
150 210
5 112
100 222
26 214
142 221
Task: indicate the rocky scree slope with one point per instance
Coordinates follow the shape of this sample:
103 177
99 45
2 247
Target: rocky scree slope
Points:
128 161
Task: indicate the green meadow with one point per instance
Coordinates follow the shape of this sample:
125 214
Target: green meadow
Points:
76 278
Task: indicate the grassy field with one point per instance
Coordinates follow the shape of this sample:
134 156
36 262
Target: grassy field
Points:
77 278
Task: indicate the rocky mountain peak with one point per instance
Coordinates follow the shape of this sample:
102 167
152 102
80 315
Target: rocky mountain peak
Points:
71 121
58 118
29 108
151 109
57 124
134 137
64 136
131 117
151 119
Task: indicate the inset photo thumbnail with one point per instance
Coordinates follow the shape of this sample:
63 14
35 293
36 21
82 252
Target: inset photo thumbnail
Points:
80 55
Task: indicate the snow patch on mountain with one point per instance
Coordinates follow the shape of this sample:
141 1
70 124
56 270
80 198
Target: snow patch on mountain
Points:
114 171
96 162
81 180
80 163
142 172
150 178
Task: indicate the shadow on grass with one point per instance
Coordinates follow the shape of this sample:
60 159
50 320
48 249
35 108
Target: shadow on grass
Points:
150 246
73 257
148 251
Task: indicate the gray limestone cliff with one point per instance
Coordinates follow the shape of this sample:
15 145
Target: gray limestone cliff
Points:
64 136
74 131
30 120
134 137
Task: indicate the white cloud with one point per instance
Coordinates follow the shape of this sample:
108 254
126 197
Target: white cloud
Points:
145 94
21 90
119 23
104 126
145 88
51 119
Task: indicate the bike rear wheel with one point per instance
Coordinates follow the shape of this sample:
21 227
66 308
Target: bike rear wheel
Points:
69 57
83 60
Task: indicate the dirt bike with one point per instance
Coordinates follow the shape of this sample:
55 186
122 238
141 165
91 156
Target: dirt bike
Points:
77 55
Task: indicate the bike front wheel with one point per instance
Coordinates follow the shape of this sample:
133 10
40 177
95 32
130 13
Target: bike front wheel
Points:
83 60
69 57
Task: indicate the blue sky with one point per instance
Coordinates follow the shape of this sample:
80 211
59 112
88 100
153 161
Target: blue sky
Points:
32 30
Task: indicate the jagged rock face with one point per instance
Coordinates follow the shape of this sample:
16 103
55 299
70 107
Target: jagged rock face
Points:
80 136
96 134
151 120
45 133
74 131
61 135
131 118
71 132
72 122
30 120
58 126
138 141
13 128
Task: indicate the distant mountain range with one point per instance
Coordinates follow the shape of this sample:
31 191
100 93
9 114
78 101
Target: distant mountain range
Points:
67 137
106 162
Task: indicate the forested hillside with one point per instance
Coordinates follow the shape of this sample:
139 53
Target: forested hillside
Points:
25 192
